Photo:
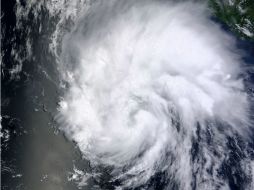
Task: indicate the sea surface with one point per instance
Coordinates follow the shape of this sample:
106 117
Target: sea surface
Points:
35 154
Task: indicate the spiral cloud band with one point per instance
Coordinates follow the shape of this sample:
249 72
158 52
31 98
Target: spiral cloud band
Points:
146 81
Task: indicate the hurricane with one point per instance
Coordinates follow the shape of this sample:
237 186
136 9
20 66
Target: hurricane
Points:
154 91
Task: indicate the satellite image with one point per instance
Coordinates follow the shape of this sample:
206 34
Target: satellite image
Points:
127 95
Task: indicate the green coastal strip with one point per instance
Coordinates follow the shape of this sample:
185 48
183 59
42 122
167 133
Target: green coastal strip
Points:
237 14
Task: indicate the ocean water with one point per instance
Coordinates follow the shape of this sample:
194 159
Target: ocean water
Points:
124 95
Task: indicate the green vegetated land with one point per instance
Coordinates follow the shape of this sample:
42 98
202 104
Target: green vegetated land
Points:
237 14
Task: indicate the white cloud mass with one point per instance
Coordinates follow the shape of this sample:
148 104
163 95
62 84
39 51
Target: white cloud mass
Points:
143 77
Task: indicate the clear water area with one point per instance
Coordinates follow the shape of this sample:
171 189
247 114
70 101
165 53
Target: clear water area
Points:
34 154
